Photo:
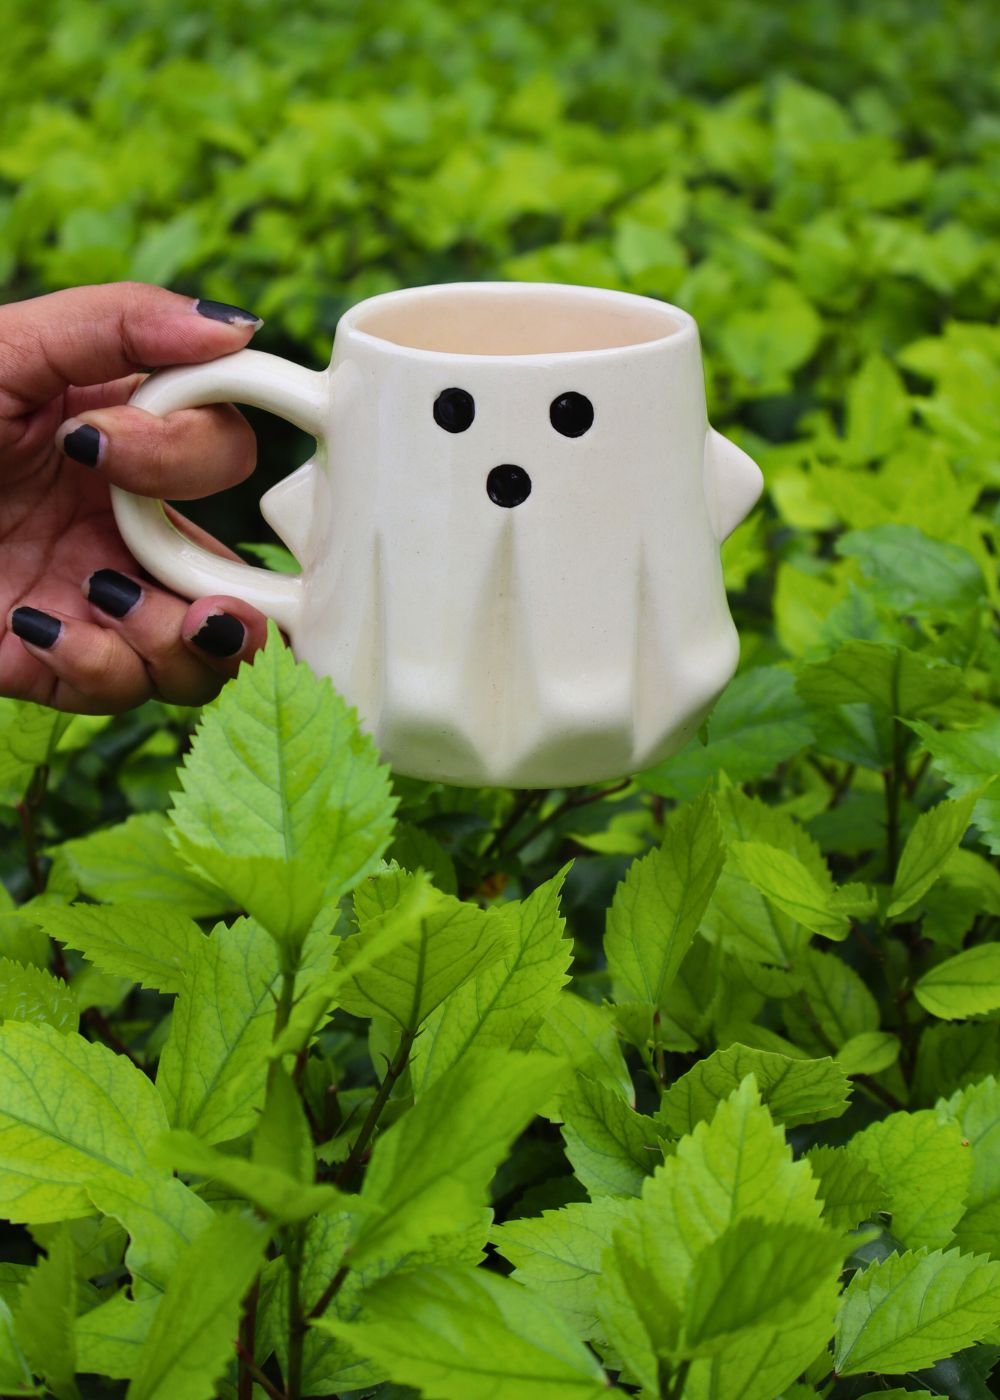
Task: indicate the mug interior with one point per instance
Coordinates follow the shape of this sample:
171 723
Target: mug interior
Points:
514 319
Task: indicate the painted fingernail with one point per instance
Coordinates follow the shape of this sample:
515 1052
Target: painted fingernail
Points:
220 635
83 444
112 592
35 627
232 315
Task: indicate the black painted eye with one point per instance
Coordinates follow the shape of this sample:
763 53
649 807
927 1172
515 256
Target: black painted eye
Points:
571 414
454 410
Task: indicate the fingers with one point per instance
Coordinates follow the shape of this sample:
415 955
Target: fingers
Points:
87 335
138 643
186 454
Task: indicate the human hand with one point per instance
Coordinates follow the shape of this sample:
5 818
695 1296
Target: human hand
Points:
81 628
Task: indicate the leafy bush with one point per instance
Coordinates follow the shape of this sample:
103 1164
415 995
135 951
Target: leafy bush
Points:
707 1062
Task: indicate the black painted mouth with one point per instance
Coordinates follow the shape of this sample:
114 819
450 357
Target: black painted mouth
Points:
508 485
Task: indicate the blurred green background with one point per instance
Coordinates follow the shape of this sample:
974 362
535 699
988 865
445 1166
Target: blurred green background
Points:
819 184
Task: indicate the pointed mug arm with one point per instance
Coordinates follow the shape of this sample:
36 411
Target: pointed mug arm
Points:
733 483
251 377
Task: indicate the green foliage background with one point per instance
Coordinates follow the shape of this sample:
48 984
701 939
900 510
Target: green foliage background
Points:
807 895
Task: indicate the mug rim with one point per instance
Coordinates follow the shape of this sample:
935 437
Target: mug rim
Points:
682 332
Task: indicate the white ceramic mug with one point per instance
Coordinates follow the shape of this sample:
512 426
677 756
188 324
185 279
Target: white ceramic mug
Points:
509 533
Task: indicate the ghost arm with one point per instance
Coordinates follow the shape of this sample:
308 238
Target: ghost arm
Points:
733 483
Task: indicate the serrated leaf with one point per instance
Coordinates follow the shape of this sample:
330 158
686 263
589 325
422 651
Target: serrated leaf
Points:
657 907
28 738
109 1337
461 1332
161 1215
838 1005
725 1293
558 1255
152 944
966 985
896 681
795 1091
925 1170
912 1309
871 1052
192 1335
583 1034
503 1003
31 994
447 943
976 1111
783 879
214 1065
848 1188
54 1140
758 722
15 1375
951 1056
284 804
911 573
430 1170
136 861
44 1317
414 849
274 1192
929 847
612 1148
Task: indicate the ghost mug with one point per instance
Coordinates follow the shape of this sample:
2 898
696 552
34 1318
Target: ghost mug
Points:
509 533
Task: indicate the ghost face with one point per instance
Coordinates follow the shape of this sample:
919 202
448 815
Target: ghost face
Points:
513 563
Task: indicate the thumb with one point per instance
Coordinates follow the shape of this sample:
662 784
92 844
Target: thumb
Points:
88 335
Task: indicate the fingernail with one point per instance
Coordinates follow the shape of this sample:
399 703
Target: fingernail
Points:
83 444
232 315
35 627
112 592
220 635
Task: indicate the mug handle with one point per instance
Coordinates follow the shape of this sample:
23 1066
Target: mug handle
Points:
251 377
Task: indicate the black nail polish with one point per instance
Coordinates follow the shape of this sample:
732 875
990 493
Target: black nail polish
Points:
232 315
83 444
35 627
112 592
220 635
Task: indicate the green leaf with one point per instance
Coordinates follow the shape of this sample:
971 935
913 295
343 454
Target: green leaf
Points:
28 738
161 1215
657 907
877 410
976 1110
446 943
44 1316
70 1112
725 1292
214 1065
929 847
871 1052
150 943
558 1255
31 994
849 1190
191 1339
504 1003
925 1169
282 1140
758 722
966 985
968 759
611 1147
783 879
891 678
795 1091
136 861
913 1309
430 1170
911 573
284 803
455 1333
109 1338
583 1034
276 1193
413 848
835 1004
15 1376
950 1056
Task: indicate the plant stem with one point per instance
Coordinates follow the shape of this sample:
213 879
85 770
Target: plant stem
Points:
254 1371
245 1346
392 1073
27 810
294 1246
676 1388
329 1293
568 804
